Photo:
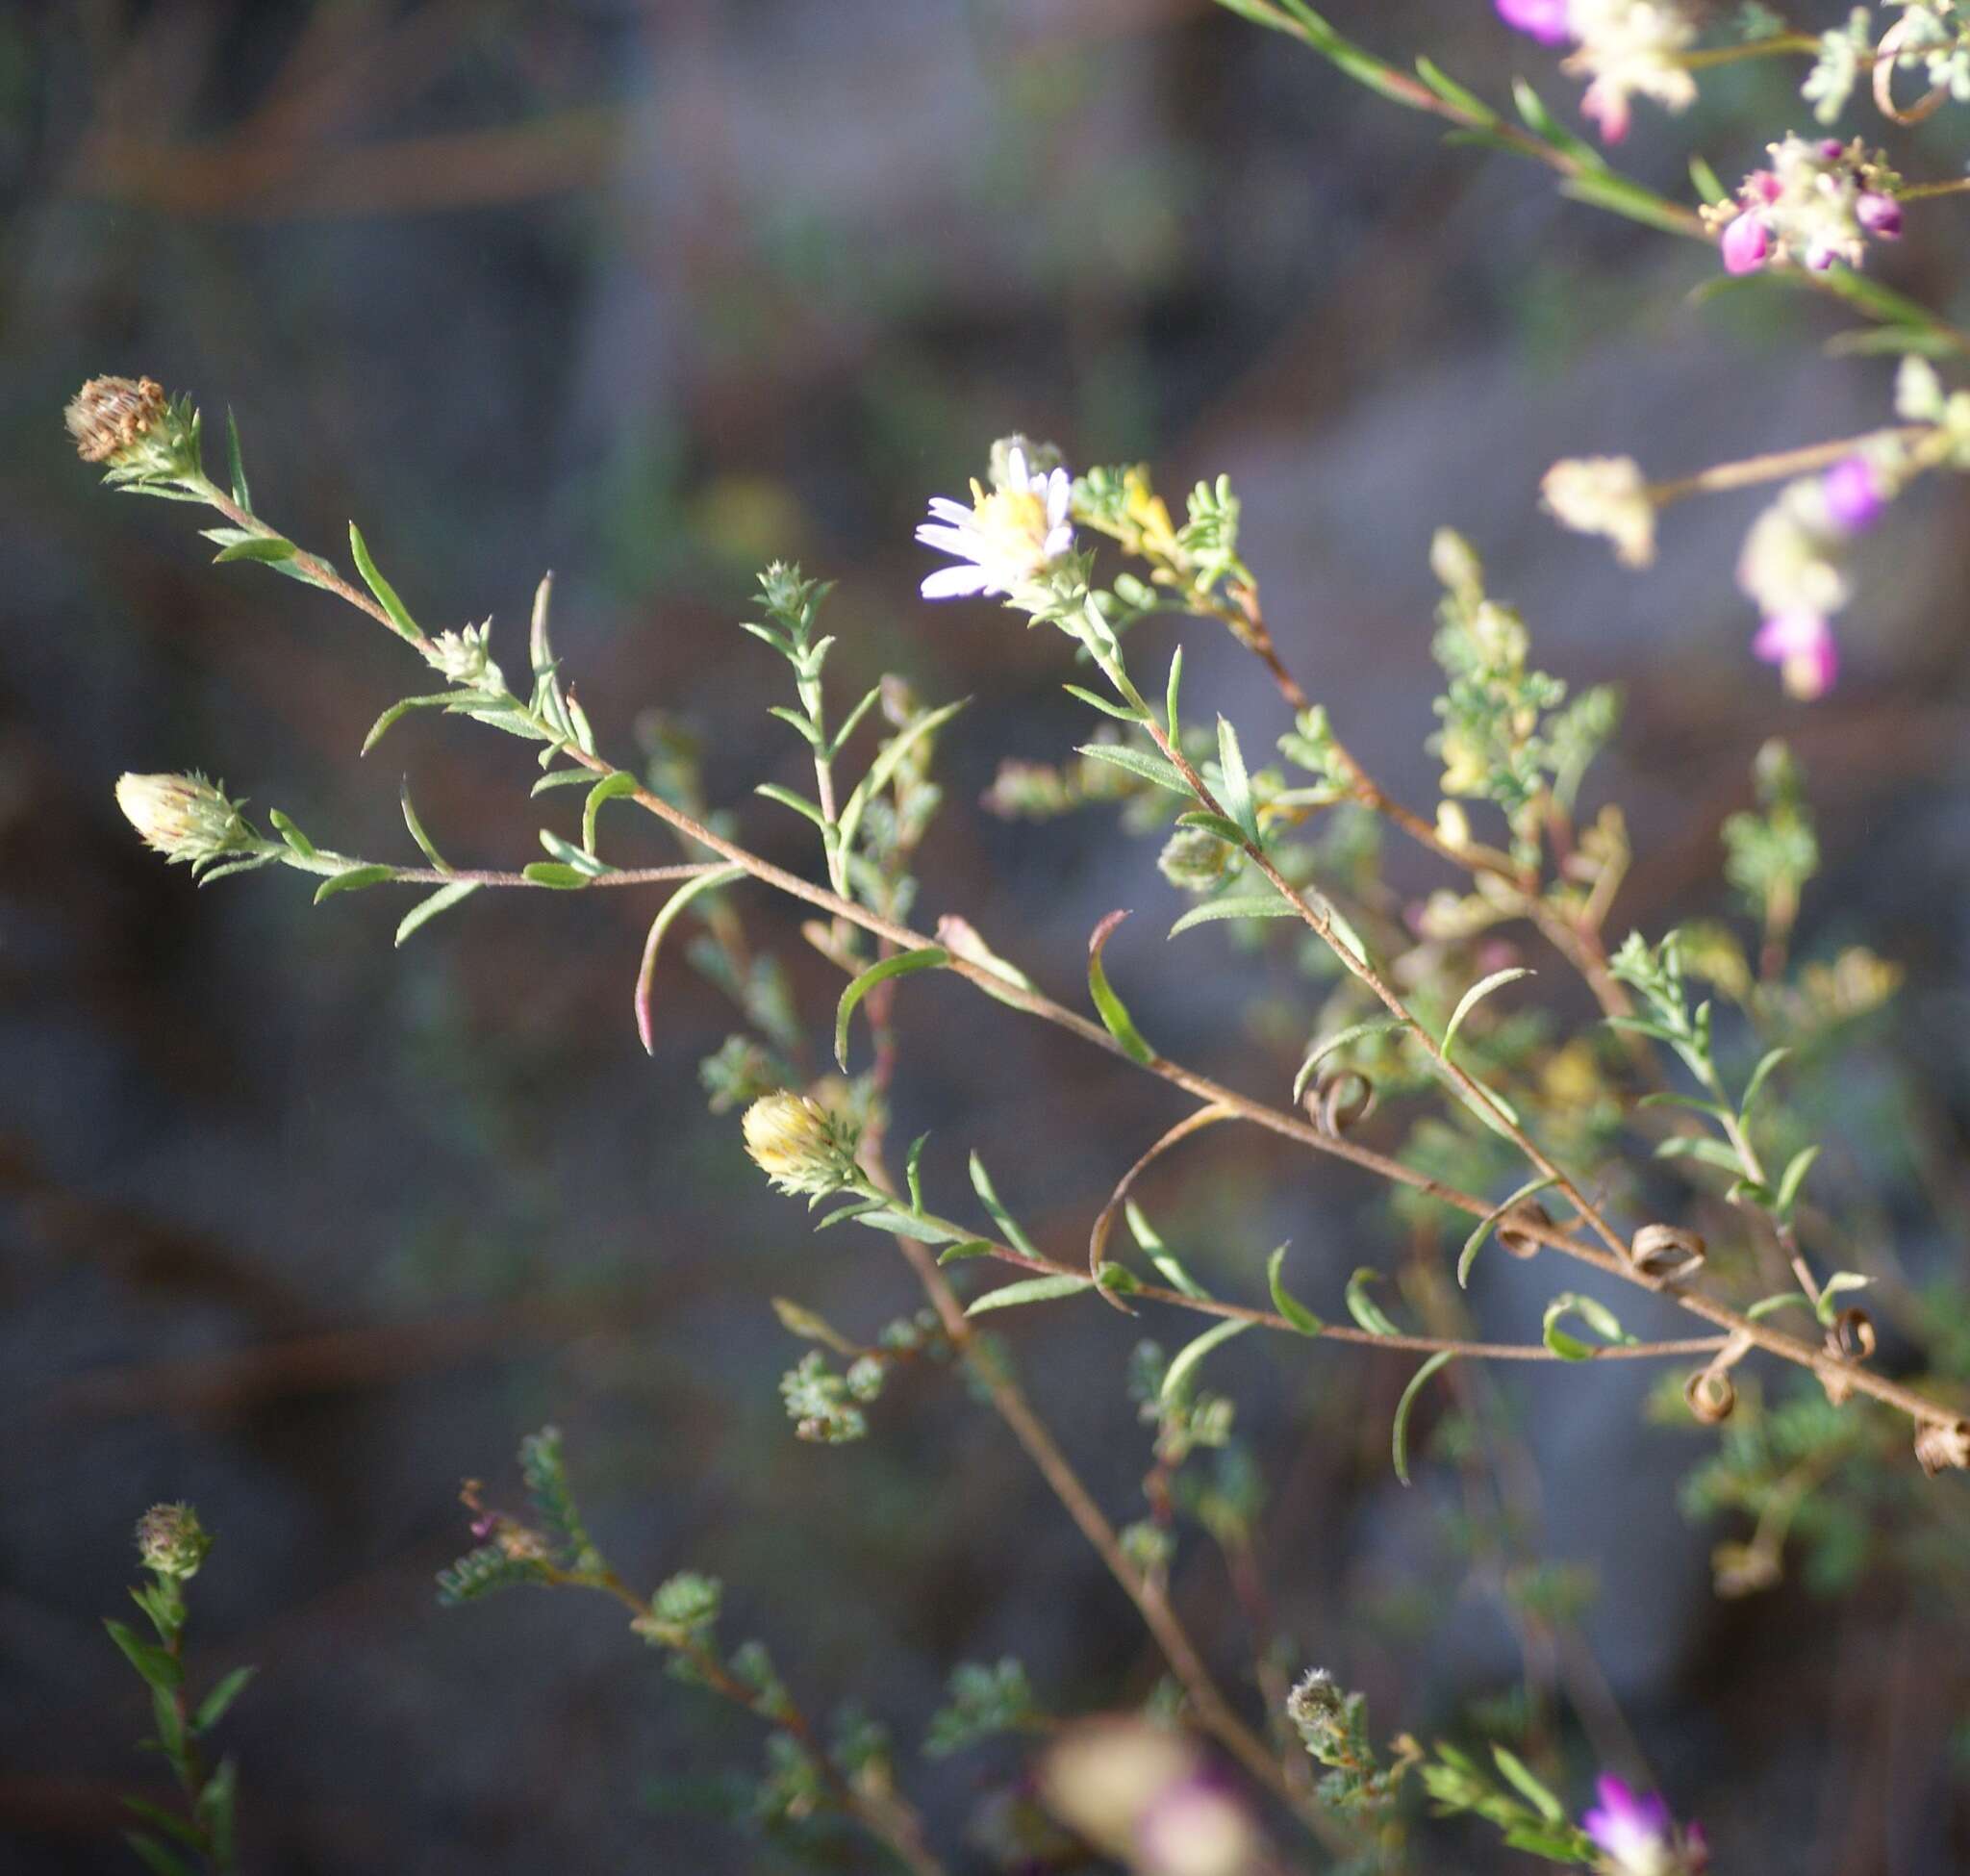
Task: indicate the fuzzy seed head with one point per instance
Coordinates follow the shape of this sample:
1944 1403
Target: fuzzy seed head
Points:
108 417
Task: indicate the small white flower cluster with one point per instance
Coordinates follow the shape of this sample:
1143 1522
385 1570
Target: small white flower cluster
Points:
1627 49
1605 496
463 658
1820 201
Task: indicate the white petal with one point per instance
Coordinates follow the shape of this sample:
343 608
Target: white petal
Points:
954 583
948 510
1016 467
1059 492
950 540
1059 541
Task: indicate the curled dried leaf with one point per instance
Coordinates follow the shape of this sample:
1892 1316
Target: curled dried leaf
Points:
1942 1445
1340 1101
1512 1231
1711 1395
1851 1337
1667 1254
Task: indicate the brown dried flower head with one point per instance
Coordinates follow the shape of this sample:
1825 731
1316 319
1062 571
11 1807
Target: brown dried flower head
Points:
1942 1445
109 417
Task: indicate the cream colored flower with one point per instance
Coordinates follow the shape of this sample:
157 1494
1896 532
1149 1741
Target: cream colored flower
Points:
1605 496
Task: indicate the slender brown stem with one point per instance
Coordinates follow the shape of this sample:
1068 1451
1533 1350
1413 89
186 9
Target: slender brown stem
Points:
1777 463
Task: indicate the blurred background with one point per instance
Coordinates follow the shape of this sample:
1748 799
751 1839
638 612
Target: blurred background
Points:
305 1231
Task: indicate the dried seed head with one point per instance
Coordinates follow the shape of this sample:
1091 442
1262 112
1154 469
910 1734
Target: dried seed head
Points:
171 1541
184 817
1340 1099
109 417
1943 1445
799 1145
1711 1394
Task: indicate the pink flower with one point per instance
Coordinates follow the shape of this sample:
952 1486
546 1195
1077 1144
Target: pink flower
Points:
1544 19
1880 215
1801 644
1607 107
1633 1833
1854 495
1745 243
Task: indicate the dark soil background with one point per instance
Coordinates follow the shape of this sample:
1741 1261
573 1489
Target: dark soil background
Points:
304 1230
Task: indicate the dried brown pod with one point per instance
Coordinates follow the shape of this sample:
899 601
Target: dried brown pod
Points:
1667 1252
1711 1394
1851 1337
1511 1231
1340 1101
107 416
1943 1445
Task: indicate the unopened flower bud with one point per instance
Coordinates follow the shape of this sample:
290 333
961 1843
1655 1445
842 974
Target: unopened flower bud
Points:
171 1541
1193 861
798 1145
184 817
1746 244
1855 498
130 425
1880 215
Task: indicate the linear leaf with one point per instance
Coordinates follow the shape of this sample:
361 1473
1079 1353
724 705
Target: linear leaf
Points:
929 958
1033 1289
1340 1039
354 881
1236 782
427 909
416 827
1285 1302
1363 1307
1475 1242
385 593
617 782
1475 995
1194 1352
887 760
1144 768
1114 1012
646 970
1268 907
1398 1434
1792 1178
1760 1075
988 1197
212 1708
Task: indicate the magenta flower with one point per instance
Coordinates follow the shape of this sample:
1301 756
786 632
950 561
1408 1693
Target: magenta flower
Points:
1880 215
1746 244
1634 1834
1801 644
1854 495
1544 19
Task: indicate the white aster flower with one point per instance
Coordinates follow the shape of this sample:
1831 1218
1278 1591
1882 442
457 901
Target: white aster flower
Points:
1005 539
1605 496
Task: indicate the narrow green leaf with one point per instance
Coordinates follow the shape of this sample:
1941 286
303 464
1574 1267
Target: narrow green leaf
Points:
1712 1152
1704 180
1475 1242
902 1224
561 778
1475 995
1236 782
1715 1110
291 834
1227 830
1760 1075
1150 1243
1784 1300
569 855
1175 684
557 874
268 549
1114 1012
427 909
1620 196
1398 1434
1452 92
212 1708
646 970
1133 762
617 782
236 468
852 720
1125 713
1009 1226
887 760
1598 1317
1033 1289
1340 1039
160 1670
1528 1788
431 700
971 1247
787 798
354 881
166 1821
1363 1307
1194 1352
416 827
381 588
929 958
154 1857
1285 1302
1837 1285
1272 906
